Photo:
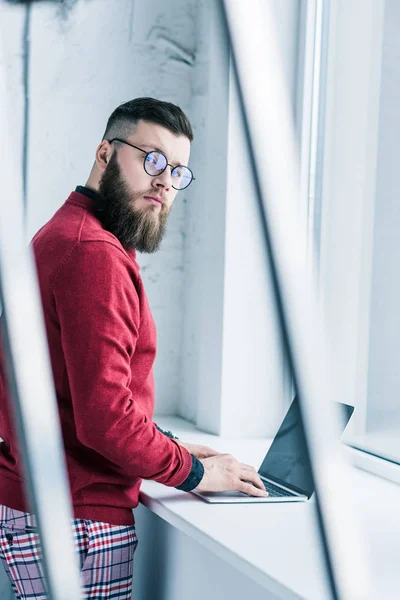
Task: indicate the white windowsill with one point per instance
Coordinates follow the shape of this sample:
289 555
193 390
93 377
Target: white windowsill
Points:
277 544
381 443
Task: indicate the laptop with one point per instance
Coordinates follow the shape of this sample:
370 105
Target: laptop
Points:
286 470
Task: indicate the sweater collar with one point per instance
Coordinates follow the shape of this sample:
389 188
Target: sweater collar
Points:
98 202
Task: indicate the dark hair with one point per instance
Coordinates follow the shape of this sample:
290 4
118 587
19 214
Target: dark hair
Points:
124 119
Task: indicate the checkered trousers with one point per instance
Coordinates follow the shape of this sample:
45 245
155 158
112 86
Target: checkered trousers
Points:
105 554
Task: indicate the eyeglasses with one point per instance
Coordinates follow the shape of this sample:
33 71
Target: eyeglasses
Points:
155 163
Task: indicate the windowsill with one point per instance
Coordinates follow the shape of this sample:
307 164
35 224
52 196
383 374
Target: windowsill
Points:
277 544
385 444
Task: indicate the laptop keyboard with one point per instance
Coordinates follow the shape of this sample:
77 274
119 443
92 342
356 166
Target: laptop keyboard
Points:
274 490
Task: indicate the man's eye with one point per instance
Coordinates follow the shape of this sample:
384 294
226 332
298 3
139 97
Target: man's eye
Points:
152 158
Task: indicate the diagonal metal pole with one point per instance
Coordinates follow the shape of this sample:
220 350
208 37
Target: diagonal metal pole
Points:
30 377
271 143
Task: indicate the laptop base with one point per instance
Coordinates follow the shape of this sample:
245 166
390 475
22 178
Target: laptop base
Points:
240 498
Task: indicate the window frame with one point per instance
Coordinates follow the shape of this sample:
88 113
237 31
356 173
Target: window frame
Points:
351 122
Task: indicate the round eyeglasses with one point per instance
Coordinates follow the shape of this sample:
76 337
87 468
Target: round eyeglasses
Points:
155 162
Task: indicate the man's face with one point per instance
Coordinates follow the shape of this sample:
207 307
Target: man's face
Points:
131 215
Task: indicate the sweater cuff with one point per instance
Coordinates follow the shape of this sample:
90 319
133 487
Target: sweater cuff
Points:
167 433
194 477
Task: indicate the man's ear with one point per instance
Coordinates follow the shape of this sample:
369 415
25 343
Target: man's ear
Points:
103 155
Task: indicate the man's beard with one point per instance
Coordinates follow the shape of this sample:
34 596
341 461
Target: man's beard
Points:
135 228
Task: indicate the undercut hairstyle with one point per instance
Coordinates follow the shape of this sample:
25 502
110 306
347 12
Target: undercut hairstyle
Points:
124 120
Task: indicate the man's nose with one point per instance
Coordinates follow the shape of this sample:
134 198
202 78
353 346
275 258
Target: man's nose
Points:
164 179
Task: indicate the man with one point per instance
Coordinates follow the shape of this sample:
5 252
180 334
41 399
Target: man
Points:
102 343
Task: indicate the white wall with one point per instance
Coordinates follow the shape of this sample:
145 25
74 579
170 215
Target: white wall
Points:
383 371
205 221
256 382
349 189
360 251
235 379
83 63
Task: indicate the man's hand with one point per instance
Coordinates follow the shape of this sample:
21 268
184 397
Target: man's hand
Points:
224 473
199 451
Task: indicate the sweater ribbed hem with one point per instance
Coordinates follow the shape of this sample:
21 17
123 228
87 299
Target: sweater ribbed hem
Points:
12 495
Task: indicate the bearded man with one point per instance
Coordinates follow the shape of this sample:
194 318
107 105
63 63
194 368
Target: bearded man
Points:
102 343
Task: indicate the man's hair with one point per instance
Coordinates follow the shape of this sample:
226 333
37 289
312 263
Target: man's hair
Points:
124 119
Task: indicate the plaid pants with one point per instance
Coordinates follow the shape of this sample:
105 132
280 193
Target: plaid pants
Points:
105 554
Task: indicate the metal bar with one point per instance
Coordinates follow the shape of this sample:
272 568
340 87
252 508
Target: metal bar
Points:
306 82
30 377
318 124
267 115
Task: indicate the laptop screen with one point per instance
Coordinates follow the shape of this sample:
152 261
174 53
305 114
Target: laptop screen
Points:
287 459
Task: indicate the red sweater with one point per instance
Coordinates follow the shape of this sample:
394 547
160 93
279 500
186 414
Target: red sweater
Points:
102 342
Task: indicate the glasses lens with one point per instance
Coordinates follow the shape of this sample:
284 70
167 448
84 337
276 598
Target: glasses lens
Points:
155 163
181 177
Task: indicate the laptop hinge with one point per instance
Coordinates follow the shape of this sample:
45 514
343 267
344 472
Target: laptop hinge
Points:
285 487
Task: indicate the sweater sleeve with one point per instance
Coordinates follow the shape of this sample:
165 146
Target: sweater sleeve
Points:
99 314
197 472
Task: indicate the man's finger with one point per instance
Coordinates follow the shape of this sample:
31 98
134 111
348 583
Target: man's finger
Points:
251 490
253 478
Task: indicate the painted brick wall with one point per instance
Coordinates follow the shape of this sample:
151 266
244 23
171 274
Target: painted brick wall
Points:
85 58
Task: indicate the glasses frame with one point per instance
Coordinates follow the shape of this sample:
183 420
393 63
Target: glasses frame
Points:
166 160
